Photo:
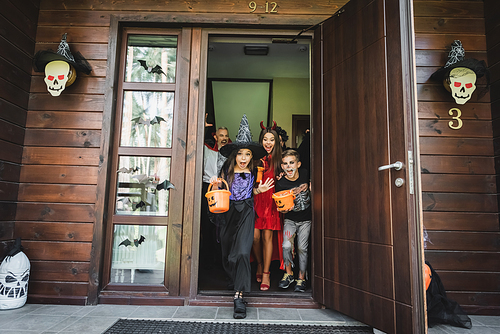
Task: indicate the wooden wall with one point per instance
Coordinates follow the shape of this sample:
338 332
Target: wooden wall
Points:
18 23
458 166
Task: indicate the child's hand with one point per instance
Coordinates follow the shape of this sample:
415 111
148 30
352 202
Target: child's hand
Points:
263 187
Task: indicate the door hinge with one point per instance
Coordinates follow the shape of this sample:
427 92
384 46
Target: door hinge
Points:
410 171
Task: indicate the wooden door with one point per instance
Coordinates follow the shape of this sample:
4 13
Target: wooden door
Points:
145 207
366 235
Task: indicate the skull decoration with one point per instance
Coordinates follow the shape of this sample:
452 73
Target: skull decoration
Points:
14 276
462 83
56 76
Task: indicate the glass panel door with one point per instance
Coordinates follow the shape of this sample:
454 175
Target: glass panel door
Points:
146 122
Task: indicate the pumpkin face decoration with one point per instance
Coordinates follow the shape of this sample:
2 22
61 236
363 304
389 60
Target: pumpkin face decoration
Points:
279 204
211 201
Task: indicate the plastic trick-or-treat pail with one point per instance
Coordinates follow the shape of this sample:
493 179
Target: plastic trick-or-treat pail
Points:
218 200
284 200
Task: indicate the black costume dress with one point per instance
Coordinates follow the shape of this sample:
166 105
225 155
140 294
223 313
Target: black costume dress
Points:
237 232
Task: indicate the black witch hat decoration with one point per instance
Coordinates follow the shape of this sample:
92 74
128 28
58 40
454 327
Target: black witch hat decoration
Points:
43 57
244 140
459 73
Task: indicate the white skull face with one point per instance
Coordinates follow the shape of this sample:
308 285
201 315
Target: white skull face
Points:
14 277
462 84
56 76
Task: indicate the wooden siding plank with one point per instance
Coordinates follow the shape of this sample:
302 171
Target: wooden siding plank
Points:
63 289
57 251
459 183
483 300
457 165
319 7
58 174
9 171
459 202
13 74
15 55
7 211
441 128
76 18
18 18
16 36
443 42
61 271
83 85
10 152
448 9
12 113
463 260
440 110
464 241
80 34
89 51
64 120
66 102
437 92
83 213
61 156
13 94
11 133
439 58
470 281
6 233
60 193
456 146
67 138
50 231
446 25
28 8
8 191
461 221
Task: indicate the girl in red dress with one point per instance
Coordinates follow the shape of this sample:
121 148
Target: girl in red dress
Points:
267 217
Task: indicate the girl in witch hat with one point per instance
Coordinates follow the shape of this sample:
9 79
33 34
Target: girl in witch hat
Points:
267 221
237 230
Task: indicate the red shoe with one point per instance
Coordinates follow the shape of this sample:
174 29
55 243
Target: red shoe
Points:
264 286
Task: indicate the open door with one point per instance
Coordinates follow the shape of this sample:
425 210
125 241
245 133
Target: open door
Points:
367 245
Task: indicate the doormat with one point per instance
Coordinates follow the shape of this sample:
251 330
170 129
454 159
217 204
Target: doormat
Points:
179 327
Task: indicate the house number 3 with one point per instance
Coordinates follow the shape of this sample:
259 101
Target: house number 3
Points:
270 7
456 118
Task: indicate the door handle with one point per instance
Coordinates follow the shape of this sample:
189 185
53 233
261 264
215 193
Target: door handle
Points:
398 165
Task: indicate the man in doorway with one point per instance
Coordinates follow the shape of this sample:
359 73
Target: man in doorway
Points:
212 163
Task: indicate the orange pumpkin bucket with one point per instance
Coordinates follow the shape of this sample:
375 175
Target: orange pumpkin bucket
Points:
218 200
284 200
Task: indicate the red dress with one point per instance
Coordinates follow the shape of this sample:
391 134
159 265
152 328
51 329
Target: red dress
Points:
267 216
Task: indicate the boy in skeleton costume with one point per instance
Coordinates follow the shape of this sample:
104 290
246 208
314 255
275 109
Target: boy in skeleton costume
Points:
60 67
14 276
459 74
297 219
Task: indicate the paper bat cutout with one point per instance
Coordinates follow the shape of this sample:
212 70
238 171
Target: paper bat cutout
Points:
140 205
165 185
137 242
156 120
142 178
128 170
157 69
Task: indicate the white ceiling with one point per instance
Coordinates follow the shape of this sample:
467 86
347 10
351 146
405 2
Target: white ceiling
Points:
226 59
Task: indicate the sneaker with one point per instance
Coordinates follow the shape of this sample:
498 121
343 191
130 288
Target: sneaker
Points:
286 281
300 286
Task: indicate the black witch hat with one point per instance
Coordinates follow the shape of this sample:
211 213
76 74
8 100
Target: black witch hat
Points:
456 58
244 140
43 57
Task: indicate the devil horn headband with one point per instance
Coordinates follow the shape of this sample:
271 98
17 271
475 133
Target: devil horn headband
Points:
263 127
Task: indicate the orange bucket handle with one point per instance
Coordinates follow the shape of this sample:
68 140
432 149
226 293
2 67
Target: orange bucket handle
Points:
218 180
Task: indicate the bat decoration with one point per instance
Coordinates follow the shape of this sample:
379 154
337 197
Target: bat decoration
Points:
165 185
157 69
136 243
140 205
156 120
128 170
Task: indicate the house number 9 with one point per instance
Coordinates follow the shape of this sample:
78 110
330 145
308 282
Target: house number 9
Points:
270 7
456 118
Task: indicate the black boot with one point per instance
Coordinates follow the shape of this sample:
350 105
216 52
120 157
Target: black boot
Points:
240 309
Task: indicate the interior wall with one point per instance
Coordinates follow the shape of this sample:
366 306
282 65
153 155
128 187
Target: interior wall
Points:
18 24
458 166
291 96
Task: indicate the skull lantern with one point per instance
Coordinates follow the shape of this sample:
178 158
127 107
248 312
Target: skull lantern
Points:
462 83
56 76
14 276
